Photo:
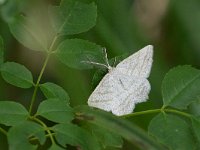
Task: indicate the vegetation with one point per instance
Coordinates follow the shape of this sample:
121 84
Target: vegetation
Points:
43 105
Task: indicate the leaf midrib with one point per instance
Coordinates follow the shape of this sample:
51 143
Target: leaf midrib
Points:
67 18
18 77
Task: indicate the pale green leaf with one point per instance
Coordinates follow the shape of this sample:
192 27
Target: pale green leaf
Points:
52 90
16 74
19 136
73 17
172 131
180 87
56 110
75 136
28 33
75 52
10 9
12 113
117 125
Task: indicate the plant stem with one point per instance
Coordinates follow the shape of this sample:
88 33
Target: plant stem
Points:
47 135
142 113
178 112
3 131
38 82
45 127
157 111
41 73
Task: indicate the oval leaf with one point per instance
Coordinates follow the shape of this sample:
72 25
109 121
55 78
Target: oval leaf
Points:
16 74
1 50
180 87
75 52
172 131
105 137
115 124
19 136
55 110
52 90
75 136
12 113
28 33
73 17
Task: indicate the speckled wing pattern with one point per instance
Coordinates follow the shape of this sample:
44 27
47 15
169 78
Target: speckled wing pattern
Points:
125 85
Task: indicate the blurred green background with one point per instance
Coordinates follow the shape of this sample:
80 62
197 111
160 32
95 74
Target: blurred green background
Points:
123 26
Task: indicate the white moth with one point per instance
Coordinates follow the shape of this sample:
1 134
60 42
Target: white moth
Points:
125 85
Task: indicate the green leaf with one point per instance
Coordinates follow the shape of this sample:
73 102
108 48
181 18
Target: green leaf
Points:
12 113
75 136
51 90
16 74
117 125
55 147
105 137
28 33
1 51
194 108
73 17
180 87
74 52
56 110
196 127
172 131
20 135
11 8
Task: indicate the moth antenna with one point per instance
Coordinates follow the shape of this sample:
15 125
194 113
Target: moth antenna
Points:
94 63
106 58
115 61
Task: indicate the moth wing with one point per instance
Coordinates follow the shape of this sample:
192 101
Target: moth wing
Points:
135 90
103 95
138 64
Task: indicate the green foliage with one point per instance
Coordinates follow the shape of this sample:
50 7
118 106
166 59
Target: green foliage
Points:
75 52
115 124
180 87
172 131
16 74
51 90
105 137
55 147
194 108
177 124
11 8
73 17
19 136
1 51
76 136
196 127
12 113
52 108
